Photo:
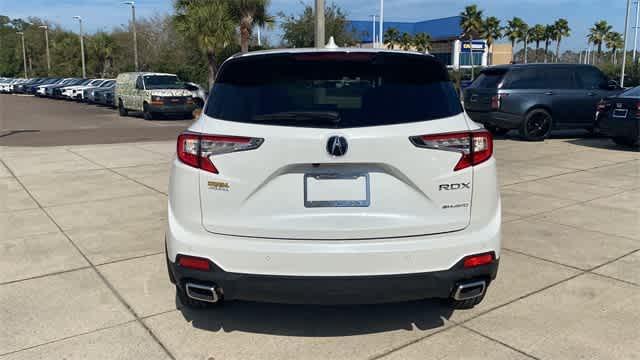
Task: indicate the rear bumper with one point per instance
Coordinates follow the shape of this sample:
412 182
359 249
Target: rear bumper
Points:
334 290
619 127
496 118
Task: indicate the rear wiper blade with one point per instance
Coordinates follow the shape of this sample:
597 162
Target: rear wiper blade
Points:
328 116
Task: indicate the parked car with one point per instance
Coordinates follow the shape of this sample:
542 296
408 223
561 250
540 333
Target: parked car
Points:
88 93
333 176
41 90
104 96
55 91
198 93
75 92
618 117
67 91
26 87
537 98
153 94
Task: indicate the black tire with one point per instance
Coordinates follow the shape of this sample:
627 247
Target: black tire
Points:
121 109
625 141
466 304
537 125
148 115
497 130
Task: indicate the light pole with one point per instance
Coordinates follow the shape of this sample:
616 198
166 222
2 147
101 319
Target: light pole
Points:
84 70
624 47
373 28
46 41
635 37
381 31
133 25
24 53
319 23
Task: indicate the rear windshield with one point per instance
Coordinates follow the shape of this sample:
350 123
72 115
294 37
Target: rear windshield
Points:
489 79
333 90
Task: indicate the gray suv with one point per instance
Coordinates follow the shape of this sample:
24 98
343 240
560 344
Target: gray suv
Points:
537 98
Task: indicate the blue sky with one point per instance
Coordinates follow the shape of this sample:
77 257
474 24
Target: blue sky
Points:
104 14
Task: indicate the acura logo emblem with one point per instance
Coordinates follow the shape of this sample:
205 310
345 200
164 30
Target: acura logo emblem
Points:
337 146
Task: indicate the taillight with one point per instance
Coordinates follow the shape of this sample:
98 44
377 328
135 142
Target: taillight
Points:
478 260
196 149
475 147
602 105
192 262
496 101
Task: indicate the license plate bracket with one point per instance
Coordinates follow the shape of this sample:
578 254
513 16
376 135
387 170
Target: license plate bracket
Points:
354 188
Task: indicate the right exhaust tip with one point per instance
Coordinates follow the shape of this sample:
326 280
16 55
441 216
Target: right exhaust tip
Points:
470 290
206 293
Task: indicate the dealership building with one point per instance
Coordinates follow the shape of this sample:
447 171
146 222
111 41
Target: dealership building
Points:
447 43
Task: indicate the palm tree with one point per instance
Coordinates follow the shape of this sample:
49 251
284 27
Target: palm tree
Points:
614 42
512 32
471 24
406 41
562 30
209 24
525 36
422 42
249 13
598 34
492 31
391 37
550 34
537 36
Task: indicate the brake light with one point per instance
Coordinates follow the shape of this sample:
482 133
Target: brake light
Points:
196 149
192 262
478 260
475 147
602 105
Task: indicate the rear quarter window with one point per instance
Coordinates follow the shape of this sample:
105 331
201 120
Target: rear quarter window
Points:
489 79
333 90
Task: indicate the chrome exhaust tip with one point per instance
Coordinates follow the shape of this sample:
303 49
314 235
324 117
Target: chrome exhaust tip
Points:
470 290
204 293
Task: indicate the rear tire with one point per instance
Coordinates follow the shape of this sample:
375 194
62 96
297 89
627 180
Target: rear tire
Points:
121 109
537 125
466 304
625 141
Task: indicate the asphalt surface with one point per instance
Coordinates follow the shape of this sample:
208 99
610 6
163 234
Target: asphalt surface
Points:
32 121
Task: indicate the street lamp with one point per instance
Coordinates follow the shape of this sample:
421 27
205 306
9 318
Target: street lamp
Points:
24 53
381 31
373 34
84 70
319 38
624 48
46 41
133 25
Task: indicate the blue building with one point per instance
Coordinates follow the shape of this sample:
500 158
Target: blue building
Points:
446 39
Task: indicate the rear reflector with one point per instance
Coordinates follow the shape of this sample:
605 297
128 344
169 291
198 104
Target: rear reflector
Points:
478 260
476 147
196 149
192 262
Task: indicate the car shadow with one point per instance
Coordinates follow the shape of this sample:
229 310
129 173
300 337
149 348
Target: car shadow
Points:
318 321
602 143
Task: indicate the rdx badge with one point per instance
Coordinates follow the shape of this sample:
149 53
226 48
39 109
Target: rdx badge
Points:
457 186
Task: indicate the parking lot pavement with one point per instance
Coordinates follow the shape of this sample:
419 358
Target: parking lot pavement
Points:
32 121
82 271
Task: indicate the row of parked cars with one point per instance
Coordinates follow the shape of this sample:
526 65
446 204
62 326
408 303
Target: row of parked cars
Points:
538 98
152 94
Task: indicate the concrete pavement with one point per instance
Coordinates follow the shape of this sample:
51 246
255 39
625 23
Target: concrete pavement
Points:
82 271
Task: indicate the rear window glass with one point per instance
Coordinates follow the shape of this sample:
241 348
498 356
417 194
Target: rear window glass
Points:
488 79
333 90
527 78
633 92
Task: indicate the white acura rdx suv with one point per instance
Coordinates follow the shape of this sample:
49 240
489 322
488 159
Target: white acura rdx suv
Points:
333 176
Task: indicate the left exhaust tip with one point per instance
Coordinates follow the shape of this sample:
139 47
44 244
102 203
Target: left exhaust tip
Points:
206 293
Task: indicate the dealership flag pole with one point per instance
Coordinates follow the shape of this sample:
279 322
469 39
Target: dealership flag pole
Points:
624 48
381 31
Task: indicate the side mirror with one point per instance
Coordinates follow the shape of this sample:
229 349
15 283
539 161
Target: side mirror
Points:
613 85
